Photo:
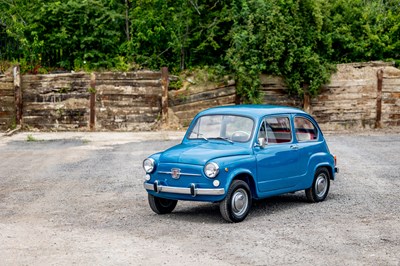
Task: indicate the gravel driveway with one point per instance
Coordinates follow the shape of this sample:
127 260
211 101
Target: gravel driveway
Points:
78 198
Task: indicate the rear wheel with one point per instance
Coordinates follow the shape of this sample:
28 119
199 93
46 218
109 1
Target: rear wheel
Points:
320 187
236 205
161 205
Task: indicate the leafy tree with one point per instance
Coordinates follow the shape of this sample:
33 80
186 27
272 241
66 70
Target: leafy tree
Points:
363 30
80 32
299 40
282 38
178 34
66 34
14 28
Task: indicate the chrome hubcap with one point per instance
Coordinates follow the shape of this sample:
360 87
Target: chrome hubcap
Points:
239 202
321 185
165 203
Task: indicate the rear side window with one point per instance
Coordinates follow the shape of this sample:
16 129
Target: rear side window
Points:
278 129
305 129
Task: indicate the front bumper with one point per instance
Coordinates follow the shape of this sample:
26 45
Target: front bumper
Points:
192 190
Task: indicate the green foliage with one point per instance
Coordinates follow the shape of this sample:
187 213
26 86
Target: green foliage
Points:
178 34
363 30
92 90
299 40
282 38
31 138
175 84
63 90
4 66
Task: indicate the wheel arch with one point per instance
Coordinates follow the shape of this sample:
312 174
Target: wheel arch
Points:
328 168
248 178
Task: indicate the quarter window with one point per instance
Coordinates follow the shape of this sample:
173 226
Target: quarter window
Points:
305 129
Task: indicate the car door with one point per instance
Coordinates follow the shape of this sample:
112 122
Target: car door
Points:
308 141
276 162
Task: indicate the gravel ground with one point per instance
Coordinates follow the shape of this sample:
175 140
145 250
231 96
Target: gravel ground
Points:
78 198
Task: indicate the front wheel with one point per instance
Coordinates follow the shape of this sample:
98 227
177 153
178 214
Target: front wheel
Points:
236 205
160 205
320 187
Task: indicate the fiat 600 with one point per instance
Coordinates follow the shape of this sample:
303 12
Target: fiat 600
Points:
235 154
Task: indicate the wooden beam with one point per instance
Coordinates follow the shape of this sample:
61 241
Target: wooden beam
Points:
378 121
92 91
164 96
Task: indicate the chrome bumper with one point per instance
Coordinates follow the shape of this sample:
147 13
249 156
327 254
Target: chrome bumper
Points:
192 190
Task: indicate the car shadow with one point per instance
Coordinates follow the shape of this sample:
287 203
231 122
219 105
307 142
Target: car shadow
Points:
209 212
276 204
203 212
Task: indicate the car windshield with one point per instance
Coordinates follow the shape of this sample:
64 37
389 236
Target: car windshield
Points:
231 128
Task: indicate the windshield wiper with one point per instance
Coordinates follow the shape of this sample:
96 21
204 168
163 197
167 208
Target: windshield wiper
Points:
200 135
228 140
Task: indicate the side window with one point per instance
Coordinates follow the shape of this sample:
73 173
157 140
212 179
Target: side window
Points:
278 129
305 129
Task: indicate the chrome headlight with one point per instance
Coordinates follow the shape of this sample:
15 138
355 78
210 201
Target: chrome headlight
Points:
211 170
149 165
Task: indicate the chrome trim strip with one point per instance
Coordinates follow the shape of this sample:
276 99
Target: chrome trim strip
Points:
186 191
170 173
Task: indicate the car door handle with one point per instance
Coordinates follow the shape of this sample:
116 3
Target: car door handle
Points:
294 147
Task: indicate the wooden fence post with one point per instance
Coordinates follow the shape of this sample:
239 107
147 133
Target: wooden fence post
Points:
378 121
17 95
164 96
92 91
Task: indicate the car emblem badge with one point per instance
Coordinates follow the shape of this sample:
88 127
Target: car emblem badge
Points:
175 172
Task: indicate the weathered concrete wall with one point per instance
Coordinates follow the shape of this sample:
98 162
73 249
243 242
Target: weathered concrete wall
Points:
127 101
121 101
7 103
187 102
350 100
391 97
275 92
132 101
55 101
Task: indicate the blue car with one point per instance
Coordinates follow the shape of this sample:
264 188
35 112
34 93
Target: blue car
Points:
234 154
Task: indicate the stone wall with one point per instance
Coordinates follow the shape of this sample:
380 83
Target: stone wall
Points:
391 97
82 101
187 102
55 101
359 96
7 103
350 100
275 92
127 101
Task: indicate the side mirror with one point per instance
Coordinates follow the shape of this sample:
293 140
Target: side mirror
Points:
262 142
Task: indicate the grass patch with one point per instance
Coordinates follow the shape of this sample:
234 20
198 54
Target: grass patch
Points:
31 138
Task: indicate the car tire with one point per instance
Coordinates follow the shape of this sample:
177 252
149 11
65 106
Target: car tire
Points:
237 203
161 205
320 186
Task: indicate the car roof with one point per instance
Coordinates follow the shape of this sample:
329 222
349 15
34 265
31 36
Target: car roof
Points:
252 110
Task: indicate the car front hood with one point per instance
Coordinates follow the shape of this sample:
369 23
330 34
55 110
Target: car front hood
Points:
199 154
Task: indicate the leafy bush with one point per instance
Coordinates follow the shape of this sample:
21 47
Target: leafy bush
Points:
299 40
